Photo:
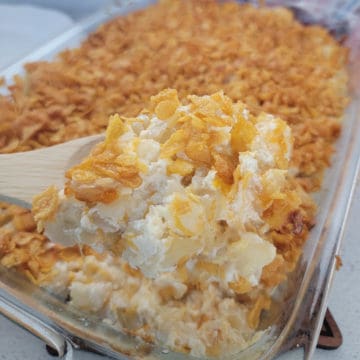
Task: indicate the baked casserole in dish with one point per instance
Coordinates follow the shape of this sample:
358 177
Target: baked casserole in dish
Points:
189 225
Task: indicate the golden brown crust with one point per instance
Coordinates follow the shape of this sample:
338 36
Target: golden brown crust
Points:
262 57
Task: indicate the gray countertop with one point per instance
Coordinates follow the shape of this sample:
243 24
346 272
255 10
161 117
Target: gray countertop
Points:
16 343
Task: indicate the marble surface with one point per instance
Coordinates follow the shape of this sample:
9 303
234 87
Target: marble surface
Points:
17 344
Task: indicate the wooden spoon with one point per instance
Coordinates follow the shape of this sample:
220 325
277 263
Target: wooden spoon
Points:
25 174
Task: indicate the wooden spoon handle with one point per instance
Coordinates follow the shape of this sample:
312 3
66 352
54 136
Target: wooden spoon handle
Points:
25 174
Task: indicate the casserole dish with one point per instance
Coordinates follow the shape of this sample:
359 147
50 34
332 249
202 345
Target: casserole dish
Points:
305 288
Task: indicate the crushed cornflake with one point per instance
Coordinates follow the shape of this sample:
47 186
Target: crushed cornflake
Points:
338 262
44 206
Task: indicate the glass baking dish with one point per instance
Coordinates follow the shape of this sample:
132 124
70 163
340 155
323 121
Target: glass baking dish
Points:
304 296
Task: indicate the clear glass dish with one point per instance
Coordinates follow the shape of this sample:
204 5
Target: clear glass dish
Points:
304 297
